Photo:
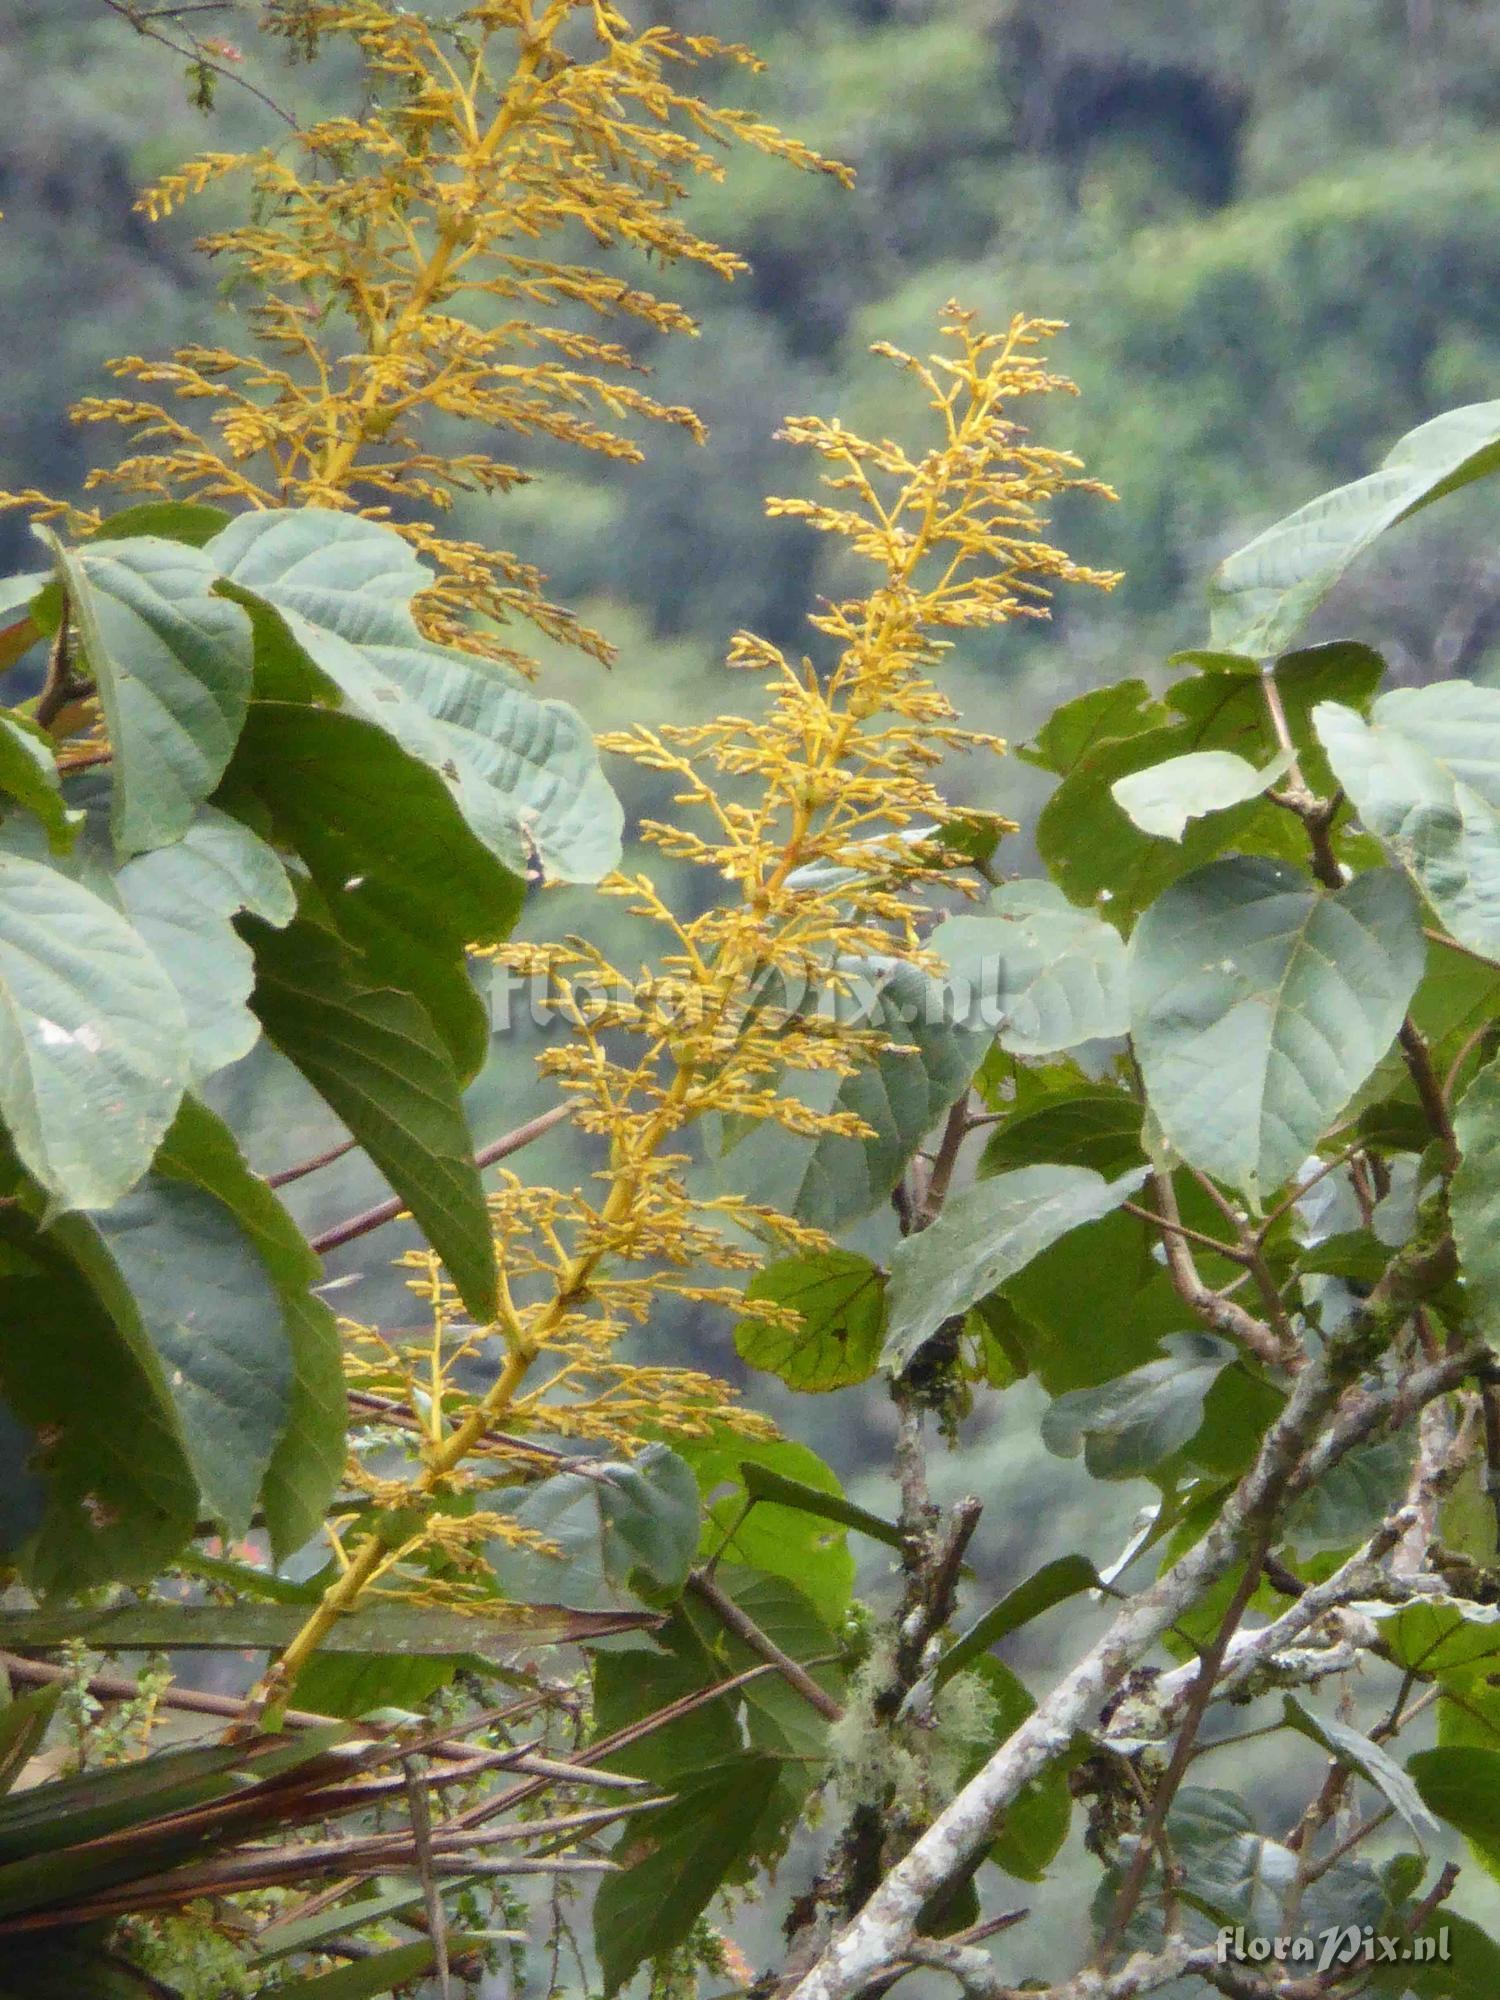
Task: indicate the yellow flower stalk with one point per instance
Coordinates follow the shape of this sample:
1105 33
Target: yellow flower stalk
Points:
839 763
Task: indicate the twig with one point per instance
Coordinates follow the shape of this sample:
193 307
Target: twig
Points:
289 1174
1220 1314
392 1210
763 1646
194 52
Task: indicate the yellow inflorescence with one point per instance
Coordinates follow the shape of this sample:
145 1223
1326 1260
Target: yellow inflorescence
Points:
420 261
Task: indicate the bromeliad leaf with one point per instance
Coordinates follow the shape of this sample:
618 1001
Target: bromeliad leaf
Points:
985 1235
1262 594
1047 975
181 899
523 770
837 1304
1260 1004
93 1056
1424 775
173 666
1162 798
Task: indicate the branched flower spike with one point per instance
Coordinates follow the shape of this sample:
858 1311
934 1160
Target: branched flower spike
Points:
837 769
422 261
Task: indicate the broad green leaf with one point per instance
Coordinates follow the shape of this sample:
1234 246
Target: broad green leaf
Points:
1260 1004
1054 1583
900 1091
763 1483
781 1537
1103 715
1442 1636
606 1521
28 774
985 1235
92 1038
1035 1826
674 1860
523 769
1348 1503
839 1301
173 666
1047 975
192 522
190 1292
1376 1766
1162 798
631 1686
1462 1786
1465 1960
120 1497
1474 1198
372 1053
1424 775
1262 594
181 900
1228 709
1096 854
307 1462
1091 1128
400 1630
402 874
1129 1426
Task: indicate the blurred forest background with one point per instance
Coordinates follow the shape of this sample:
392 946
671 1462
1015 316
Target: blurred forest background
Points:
1274 228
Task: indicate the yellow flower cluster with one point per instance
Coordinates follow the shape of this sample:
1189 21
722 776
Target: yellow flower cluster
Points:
406 266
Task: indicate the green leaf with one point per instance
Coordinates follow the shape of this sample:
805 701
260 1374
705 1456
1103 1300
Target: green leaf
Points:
900 1091
607 1521
631 1686
1035 1825
384 1973
189 1291
181 899
120 1498
307 1462
523 770
1349 1747
28 774
401 873
1080 726
1474 1198
92 1038
171 520
1260 1004
775 1534
1442 1636
23 1724
839 1301
763 1483
1462 1786
984 1236
372 1053
1262 594
673 1862
1093 1128
1047 975
1424 775
1054 1583
173 666
1131 1425
1161 799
